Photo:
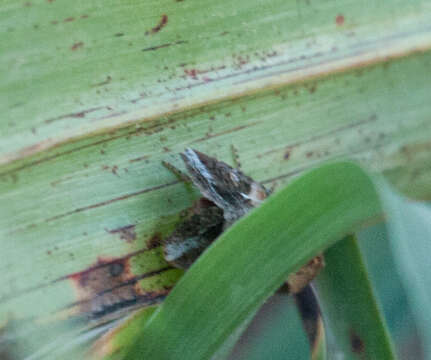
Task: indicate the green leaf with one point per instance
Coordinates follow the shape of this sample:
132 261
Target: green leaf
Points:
409 227
248 262
350 307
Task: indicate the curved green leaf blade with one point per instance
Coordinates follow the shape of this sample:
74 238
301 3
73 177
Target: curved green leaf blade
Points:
349 305
249 261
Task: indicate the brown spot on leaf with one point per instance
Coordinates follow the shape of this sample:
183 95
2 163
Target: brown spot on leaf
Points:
162 23
127 233
103 285
154 241
109 285
119 34
339 20
69 19
287 154
356 342
191 72
76 46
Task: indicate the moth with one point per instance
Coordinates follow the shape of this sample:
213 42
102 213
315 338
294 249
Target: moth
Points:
227 195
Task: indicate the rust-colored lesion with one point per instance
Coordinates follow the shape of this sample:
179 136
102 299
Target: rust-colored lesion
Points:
103 285
162 23
109 286
339 19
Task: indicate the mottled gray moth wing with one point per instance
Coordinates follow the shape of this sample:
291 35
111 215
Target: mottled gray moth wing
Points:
227 187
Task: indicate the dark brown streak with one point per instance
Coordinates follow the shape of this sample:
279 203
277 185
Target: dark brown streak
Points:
123 228
210 136
140 158
110 201
152 48
79 114
119 113
105 82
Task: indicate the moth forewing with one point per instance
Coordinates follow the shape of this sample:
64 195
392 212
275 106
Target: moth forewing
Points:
227 187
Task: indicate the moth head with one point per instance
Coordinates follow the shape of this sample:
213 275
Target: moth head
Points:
227 187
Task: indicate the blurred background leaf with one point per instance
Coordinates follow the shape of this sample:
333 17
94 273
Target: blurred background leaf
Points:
409 227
